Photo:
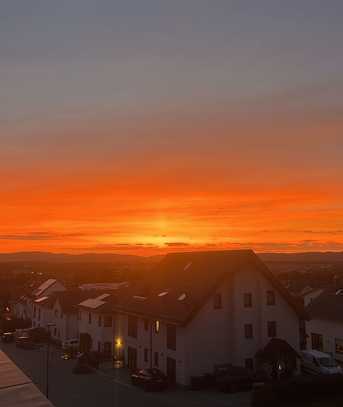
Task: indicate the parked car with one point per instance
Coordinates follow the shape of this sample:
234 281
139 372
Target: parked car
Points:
7 337
149 379
25 342
231 378
316 362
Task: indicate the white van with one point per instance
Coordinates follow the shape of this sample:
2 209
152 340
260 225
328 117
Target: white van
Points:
315 362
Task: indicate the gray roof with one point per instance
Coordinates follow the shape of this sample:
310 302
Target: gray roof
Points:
182 283
328 306
16 389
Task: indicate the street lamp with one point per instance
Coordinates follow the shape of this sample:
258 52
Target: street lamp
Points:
47 360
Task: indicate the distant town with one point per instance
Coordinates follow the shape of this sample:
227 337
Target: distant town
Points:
219 322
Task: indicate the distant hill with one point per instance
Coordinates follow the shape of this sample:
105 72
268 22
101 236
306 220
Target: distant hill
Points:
314 257
46 257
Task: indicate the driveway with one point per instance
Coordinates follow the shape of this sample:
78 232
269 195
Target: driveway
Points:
107 387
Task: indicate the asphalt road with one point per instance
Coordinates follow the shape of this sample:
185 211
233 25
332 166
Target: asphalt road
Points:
104 390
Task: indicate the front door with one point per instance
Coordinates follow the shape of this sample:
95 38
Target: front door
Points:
131 358
171 370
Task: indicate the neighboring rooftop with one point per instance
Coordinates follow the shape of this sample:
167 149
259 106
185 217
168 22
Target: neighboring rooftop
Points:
101 286
182 283
328 306
44 286
16 389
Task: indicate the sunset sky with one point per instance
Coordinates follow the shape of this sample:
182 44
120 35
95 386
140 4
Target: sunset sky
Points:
148 126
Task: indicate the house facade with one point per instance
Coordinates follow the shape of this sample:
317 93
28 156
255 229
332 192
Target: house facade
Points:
95 321
208 309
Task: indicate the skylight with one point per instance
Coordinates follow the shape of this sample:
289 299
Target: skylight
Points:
41 299
182 297
139 298
163 293
187 266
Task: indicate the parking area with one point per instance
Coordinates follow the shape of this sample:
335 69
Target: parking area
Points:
106 387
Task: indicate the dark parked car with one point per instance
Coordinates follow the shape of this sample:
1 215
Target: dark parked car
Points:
231 378
149 379
7 337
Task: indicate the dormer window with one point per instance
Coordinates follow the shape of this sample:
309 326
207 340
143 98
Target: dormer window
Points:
217 301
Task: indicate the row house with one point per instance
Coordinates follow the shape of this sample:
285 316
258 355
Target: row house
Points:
96 324
27 307
325 327
64 315
200 310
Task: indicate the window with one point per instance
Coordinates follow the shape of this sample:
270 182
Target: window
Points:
132 326
89 318
55 331
107 321
248 331
270 297
271 328
146 355
56 313
217 302
249 363
156 359
339 346
317 341
99 320
61 314
247 300
171 337
157 326
146 324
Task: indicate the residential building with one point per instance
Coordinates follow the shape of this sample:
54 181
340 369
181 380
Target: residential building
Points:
325 327
27 307
64 315
201 309
95 323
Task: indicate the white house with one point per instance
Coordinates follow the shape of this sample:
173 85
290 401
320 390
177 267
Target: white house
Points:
325 327
41 302
64 314
201 309
27 307
95 322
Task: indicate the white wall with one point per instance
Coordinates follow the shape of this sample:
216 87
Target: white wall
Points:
99 334
259 314
216 336
208 337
